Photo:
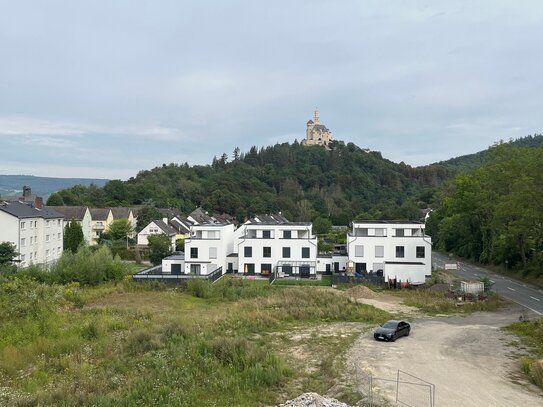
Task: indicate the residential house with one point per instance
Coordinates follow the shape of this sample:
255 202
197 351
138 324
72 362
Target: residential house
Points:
181 226
271 243
399 249
101 219
36 233
27 197
207 248
157 227
81 214
120 212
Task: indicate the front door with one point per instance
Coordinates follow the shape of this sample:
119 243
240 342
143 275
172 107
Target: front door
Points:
360 268
305 271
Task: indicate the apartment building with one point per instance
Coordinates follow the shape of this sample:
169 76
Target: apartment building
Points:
36 233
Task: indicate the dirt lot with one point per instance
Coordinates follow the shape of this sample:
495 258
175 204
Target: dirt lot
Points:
469 359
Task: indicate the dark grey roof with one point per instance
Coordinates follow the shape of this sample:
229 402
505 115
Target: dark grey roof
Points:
232 255
120 212
180 224
176 256
70 212
167 229
99 213
321 127
275 219
24 210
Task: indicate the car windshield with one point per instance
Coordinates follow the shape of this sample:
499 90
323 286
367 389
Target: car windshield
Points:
390 325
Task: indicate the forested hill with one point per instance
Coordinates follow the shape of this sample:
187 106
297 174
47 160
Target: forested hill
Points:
470 162
304 182
342 184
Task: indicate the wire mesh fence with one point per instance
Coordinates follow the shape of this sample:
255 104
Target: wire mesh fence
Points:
402 389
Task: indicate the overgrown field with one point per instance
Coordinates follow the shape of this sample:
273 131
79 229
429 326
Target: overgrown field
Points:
123 344
432 302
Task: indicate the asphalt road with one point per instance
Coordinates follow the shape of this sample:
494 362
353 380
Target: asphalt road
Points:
524 294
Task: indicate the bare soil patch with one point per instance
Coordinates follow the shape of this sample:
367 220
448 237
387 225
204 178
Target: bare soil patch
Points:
469 359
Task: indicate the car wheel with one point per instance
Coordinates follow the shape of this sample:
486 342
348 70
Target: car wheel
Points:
393 338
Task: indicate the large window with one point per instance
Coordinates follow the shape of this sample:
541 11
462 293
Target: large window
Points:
266 251
266 234
248 251
193 252
400 233
420 252
22 225
379 251
359 251
400 251
194 268
286 252
212 252
305 252
287 234
265 269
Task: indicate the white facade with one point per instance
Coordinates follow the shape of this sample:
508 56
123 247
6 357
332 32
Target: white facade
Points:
156 228
400 249
208 247
37 234
265 247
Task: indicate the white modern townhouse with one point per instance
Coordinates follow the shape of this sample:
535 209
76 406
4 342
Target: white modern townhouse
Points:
36 233
271 243
399 249
207 248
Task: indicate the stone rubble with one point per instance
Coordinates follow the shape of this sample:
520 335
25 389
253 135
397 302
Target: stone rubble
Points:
313 400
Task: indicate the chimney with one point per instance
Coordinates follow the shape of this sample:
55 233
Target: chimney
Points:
38 203
26 191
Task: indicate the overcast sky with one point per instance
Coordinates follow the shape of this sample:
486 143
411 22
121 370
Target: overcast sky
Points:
108 88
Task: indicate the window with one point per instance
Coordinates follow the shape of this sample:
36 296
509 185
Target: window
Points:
286 252
193 252
58 222
400 233
266 234
212 252
287 234
379 232
58 236
46 223
47 238
379 251
248 251
59 249
359 251
35 223
420 252
47 253
30 257
400 251
23 242
266 252
305 252
22 257
362 232
194 268
23 225
265 269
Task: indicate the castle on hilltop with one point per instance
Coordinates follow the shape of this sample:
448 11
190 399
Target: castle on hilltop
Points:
316 133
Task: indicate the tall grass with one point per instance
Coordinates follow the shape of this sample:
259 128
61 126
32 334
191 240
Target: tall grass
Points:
531 334
433 302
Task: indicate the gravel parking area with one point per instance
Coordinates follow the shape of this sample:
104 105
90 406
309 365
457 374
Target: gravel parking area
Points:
469 359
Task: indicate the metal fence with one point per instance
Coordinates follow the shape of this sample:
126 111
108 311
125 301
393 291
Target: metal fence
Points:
155 274
402 389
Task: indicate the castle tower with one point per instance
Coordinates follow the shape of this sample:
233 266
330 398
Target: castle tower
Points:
316 133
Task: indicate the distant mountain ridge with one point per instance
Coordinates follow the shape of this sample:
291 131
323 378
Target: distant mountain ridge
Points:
42 186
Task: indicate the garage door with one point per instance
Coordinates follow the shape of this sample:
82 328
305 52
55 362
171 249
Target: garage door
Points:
176 268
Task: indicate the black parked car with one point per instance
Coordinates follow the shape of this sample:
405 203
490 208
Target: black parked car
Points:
392 330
